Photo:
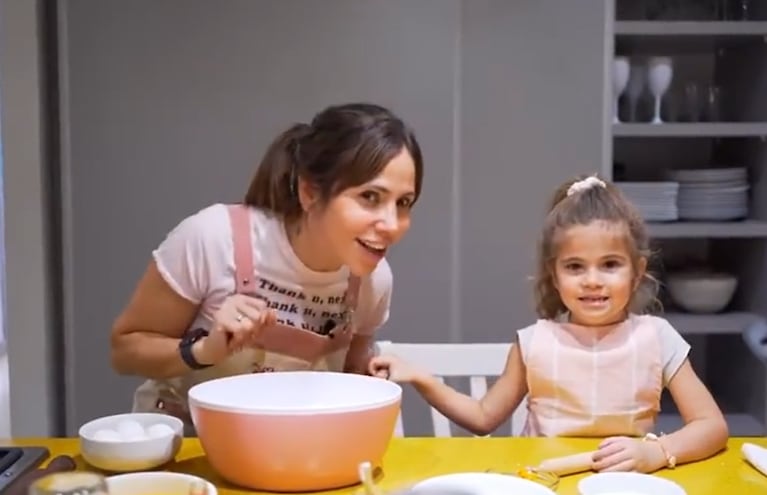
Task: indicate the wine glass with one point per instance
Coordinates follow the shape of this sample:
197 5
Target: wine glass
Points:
659 73
620 79
637 77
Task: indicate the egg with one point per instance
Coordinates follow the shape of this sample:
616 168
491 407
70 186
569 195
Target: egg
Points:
130 429
159 430
107 435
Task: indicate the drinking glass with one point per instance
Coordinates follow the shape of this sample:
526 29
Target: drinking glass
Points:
70 483
660 73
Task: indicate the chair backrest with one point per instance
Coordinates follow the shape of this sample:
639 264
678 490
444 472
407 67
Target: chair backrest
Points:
476 361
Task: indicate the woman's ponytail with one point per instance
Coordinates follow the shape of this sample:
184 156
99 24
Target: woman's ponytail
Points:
274 187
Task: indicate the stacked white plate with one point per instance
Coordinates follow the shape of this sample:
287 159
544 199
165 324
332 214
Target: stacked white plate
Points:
656 201
715 194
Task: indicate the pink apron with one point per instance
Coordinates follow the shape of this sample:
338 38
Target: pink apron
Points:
278 347
583 386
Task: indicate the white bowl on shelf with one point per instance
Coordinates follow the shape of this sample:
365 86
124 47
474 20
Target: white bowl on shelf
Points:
701 292
131 441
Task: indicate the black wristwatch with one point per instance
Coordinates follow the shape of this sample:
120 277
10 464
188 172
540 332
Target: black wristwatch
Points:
185 348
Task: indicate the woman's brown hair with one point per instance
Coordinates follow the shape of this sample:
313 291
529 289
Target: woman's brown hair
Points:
344 146
591 199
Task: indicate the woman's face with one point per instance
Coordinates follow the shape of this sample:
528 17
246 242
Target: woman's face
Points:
362 222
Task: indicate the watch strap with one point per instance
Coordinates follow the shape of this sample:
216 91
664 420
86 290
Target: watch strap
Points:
185 348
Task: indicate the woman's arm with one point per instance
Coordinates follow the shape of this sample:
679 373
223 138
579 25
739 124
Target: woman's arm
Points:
705 430
145 336
360 352
482 416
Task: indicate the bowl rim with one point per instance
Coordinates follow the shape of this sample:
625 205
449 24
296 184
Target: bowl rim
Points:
172 421
212 490
196 402
583 484
464 476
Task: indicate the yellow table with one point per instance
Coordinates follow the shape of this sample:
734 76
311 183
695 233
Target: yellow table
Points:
411 459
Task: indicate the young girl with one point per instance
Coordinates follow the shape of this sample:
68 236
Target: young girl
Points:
293 278
591 365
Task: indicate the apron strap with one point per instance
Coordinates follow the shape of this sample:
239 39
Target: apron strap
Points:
239 217
352 292
278 338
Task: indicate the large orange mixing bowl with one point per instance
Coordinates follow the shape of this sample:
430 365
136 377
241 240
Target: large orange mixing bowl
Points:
296 430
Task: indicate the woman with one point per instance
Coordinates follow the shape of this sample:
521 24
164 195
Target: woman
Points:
294 278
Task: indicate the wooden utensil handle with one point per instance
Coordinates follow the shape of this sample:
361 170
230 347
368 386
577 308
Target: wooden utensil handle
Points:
570 464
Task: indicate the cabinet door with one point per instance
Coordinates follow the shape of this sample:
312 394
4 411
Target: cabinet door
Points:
533 114
168 107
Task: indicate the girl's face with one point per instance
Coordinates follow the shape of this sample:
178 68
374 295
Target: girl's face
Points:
360 224
594 273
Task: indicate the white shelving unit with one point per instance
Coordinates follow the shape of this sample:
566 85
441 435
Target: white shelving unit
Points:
730 323
740 424
693 130
733 54
709 230
706 31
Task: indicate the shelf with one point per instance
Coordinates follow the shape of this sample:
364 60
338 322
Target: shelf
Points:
692 28
740 425
706 324
650 37
693 129
708 230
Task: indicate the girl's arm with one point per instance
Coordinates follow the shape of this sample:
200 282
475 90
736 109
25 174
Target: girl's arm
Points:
705 431
482 416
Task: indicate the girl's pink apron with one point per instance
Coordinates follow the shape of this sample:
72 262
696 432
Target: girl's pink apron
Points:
277 348
580 385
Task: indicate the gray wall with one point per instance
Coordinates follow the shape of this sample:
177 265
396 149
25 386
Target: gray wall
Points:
166 106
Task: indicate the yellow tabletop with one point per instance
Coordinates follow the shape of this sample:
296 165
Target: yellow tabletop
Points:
411 459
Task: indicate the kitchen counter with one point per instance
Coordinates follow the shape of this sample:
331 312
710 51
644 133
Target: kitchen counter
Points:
411 459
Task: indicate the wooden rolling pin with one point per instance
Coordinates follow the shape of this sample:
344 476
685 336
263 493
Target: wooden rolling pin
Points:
569 464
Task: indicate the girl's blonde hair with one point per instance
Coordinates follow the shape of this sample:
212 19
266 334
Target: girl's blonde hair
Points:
581 201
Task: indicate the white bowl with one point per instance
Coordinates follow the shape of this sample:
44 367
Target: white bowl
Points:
756 456
478 484
130 453
628 484
702 292
155 483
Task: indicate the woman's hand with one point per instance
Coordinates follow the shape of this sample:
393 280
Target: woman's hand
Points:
628 454
236 325
393 368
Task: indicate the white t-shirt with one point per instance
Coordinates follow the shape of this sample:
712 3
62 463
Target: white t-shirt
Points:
197 260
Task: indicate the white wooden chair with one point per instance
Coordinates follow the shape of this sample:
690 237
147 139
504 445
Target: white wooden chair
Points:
476 361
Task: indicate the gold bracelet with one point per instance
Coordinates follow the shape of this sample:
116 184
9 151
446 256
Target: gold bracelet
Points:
670 459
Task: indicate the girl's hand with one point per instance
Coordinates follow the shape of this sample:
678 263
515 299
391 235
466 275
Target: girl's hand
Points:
393 368
235 325
628 454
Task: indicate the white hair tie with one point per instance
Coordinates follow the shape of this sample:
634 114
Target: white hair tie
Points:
585 185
